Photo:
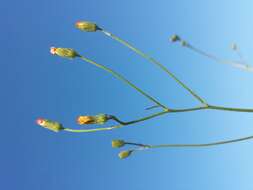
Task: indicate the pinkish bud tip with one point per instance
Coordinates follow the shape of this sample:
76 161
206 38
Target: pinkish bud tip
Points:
40 121
53 50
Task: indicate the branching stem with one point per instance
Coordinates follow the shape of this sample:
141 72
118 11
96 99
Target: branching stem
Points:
152 60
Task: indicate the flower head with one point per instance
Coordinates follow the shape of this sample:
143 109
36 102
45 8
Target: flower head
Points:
64 52
51 125
124 154
97 119
117 143
87 26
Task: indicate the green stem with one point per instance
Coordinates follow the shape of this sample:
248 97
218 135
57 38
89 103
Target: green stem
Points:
199 145
91 130
229 109
137 144
152 60
122 123
118 76
182 110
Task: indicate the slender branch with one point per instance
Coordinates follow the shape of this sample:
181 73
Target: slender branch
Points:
123 123
219 108
137 144
199 145
152 60
230 109
118 76
91 130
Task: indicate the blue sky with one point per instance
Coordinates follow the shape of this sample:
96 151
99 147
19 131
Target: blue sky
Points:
37 84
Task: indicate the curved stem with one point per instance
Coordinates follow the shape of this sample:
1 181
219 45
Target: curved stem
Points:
118 76
152 60
199 145
122 123
182 110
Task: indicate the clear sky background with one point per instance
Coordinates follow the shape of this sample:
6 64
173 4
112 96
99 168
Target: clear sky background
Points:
37 84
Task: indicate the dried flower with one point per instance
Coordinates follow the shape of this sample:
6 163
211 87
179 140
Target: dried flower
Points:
51 125
124 154
175 38
97 119
64 52
117 143
87 26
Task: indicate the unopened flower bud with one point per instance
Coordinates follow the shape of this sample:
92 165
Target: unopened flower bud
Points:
87 26
124 154
117 143
97 119
175 38
184 43
64 52
51 125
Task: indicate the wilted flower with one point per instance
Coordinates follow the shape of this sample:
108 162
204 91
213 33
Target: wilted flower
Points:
174 38
124 154
64 52
87 26
117 143
97 119
51 125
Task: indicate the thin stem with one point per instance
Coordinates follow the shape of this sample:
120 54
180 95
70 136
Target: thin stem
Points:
137 144
239 65
122 123
152 60
219 108
230 109
200 145
118 76
91 130
141 119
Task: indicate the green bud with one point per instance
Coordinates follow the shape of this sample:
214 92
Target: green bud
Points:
124 154
101 118
117 143
49 124
88 119
87 26
175 38
64 52
184 43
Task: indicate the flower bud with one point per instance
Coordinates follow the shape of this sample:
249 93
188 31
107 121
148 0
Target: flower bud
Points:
64 52
175 38
87 26
117 143
51 125
124 154
97 119
184 43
